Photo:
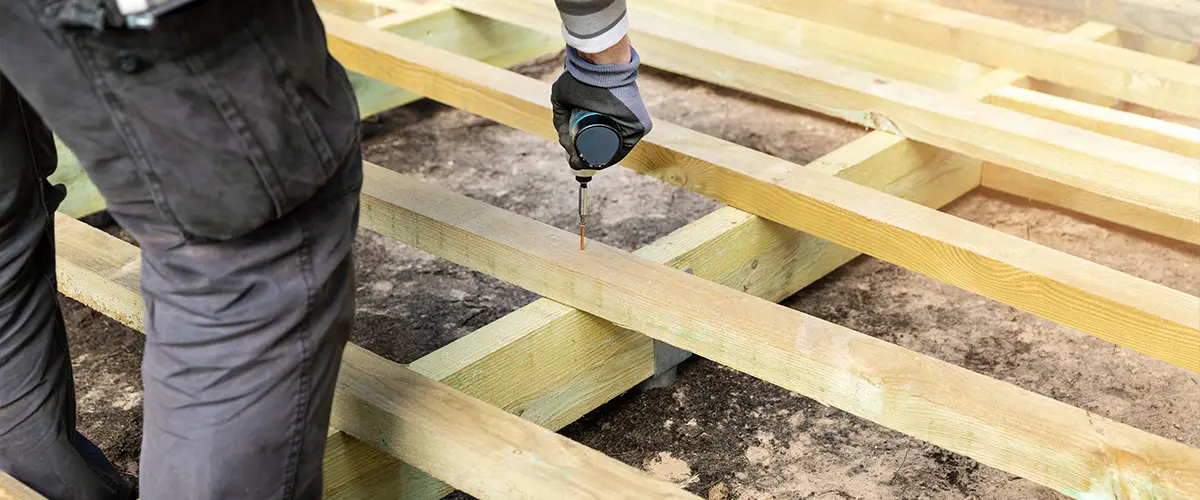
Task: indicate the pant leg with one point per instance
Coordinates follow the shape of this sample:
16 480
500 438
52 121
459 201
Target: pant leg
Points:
226 142
38 441
244 340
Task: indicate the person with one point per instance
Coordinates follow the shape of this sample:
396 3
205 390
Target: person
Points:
226 140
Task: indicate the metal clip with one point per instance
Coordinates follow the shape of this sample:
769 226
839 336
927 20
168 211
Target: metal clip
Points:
148 18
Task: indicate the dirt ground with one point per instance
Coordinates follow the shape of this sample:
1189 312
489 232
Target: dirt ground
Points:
723 434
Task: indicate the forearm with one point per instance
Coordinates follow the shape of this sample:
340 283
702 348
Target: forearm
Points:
596 28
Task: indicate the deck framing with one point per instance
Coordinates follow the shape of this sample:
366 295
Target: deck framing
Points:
945 126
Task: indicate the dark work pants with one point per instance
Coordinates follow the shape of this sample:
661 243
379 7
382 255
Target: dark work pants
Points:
226 142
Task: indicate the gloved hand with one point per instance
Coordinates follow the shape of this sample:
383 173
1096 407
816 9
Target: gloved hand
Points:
609 89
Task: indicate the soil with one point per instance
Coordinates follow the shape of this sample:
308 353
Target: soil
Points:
748 439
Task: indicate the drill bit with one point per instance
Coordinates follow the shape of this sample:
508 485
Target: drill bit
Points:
582 213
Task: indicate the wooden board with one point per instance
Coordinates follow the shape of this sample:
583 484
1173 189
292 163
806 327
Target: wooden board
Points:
477 447
778 30
11 489
1128 311
436 23
1155 190
994 422
1125 74
1175 19
804 38
1164 135
527 361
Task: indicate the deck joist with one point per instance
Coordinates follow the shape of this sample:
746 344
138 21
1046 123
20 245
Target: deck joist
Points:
1004 106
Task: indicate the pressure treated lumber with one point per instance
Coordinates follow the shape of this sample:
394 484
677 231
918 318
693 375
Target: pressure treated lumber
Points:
526 361
11 489
1160 134
743 251
1156 133
437 23
1151 81
1122 309
1083 193
1175 19
477 447
794 36
994 422
1150 189
354 470
805 38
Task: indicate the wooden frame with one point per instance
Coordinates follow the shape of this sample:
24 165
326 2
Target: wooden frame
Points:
788 225
1176 19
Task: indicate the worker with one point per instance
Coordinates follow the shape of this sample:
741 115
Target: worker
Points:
225 139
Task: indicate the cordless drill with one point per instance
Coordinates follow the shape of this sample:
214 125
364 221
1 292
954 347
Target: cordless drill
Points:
596 141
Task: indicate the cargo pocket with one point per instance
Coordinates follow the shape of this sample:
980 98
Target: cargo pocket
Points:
232 135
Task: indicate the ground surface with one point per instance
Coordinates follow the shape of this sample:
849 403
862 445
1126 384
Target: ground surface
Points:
724 434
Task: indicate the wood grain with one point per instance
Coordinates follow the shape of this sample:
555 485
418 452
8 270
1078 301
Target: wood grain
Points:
1158 191
11 489
477 447
1174 19
1084 194
804 38
1159 134
1125 74
994 422
1122 309
540 361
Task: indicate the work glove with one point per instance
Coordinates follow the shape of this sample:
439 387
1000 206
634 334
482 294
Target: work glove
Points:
609 89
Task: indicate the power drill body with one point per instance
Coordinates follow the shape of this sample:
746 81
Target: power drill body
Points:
596 141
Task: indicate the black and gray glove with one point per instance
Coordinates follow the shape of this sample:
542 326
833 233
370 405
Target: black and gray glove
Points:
607 89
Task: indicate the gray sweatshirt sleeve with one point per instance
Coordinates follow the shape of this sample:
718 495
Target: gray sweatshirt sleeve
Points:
593 25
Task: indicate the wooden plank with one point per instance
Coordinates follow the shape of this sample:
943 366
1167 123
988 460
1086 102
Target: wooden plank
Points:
409 12
1155 190
709 16
804 38
742 251
526 362
358 10
356 470
778 31
1122 309
11 489
1164 135
438 24
1175 19
1126 74
477 447
994 422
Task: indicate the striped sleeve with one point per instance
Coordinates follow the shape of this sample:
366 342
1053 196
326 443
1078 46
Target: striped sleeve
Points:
593 25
